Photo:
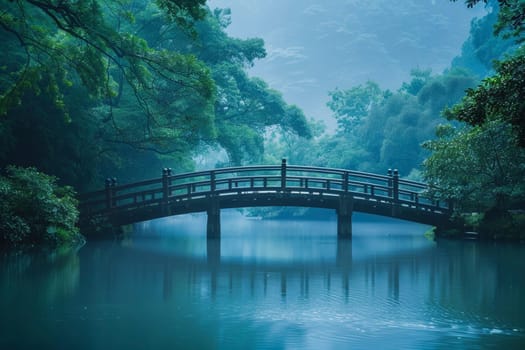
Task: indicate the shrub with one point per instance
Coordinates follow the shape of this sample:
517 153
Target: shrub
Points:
34 209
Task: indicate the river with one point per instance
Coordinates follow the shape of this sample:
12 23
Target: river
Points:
266 285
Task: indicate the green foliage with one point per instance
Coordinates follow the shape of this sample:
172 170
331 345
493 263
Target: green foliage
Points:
380 129
184 12
499 97
97 45
124 88
215 47
481 165
295 148
481 168
511 17
245 109
35 210
389 132
482 47
36 132
419 78
473 220
351 106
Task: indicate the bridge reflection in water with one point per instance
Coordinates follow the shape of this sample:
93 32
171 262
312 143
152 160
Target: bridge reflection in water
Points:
210 191
215 275
166 286
291 262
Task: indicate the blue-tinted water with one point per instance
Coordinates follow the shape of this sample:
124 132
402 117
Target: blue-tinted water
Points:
266 285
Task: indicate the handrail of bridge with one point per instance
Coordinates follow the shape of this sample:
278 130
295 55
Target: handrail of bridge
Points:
259 178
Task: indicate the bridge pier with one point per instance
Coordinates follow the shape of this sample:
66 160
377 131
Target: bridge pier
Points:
344 217
213 225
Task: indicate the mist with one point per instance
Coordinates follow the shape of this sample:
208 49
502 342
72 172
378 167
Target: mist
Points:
314 47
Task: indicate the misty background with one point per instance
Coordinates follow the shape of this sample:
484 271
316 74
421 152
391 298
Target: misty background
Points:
314 47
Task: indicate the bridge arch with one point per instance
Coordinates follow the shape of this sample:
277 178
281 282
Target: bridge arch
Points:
344 191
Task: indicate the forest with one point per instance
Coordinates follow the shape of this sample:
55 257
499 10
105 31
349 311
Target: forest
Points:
91 89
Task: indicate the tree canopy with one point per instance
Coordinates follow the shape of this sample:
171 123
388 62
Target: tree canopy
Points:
499 97
126 87
481 168
379 129
92 38
481 163
510 18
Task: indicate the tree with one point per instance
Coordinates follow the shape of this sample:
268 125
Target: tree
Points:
419 78
482 47
245 107
299 149
499 97
510 18
392 131
35 134
351 106
124 88
34 209
481 168
58 44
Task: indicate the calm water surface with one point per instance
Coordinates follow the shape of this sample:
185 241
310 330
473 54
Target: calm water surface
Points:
266 285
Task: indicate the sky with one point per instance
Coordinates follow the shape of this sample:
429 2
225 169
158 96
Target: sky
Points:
314 47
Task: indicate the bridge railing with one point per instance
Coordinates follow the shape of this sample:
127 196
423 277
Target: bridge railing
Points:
264 178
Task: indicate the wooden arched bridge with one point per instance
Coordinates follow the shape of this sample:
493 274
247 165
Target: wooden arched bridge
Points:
210 191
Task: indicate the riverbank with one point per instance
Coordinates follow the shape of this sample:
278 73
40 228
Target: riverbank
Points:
509 227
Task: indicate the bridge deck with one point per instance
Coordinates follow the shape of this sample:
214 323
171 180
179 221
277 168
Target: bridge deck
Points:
256 186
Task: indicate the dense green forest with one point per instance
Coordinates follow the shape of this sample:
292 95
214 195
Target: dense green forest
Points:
90 89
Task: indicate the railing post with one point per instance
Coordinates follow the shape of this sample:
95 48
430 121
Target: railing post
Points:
389 174
213 211
395 185
109 194
114 191
283 174
166 173
345 181
212 181
111 183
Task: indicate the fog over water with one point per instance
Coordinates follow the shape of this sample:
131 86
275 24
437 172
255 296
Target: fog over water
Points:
314 47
